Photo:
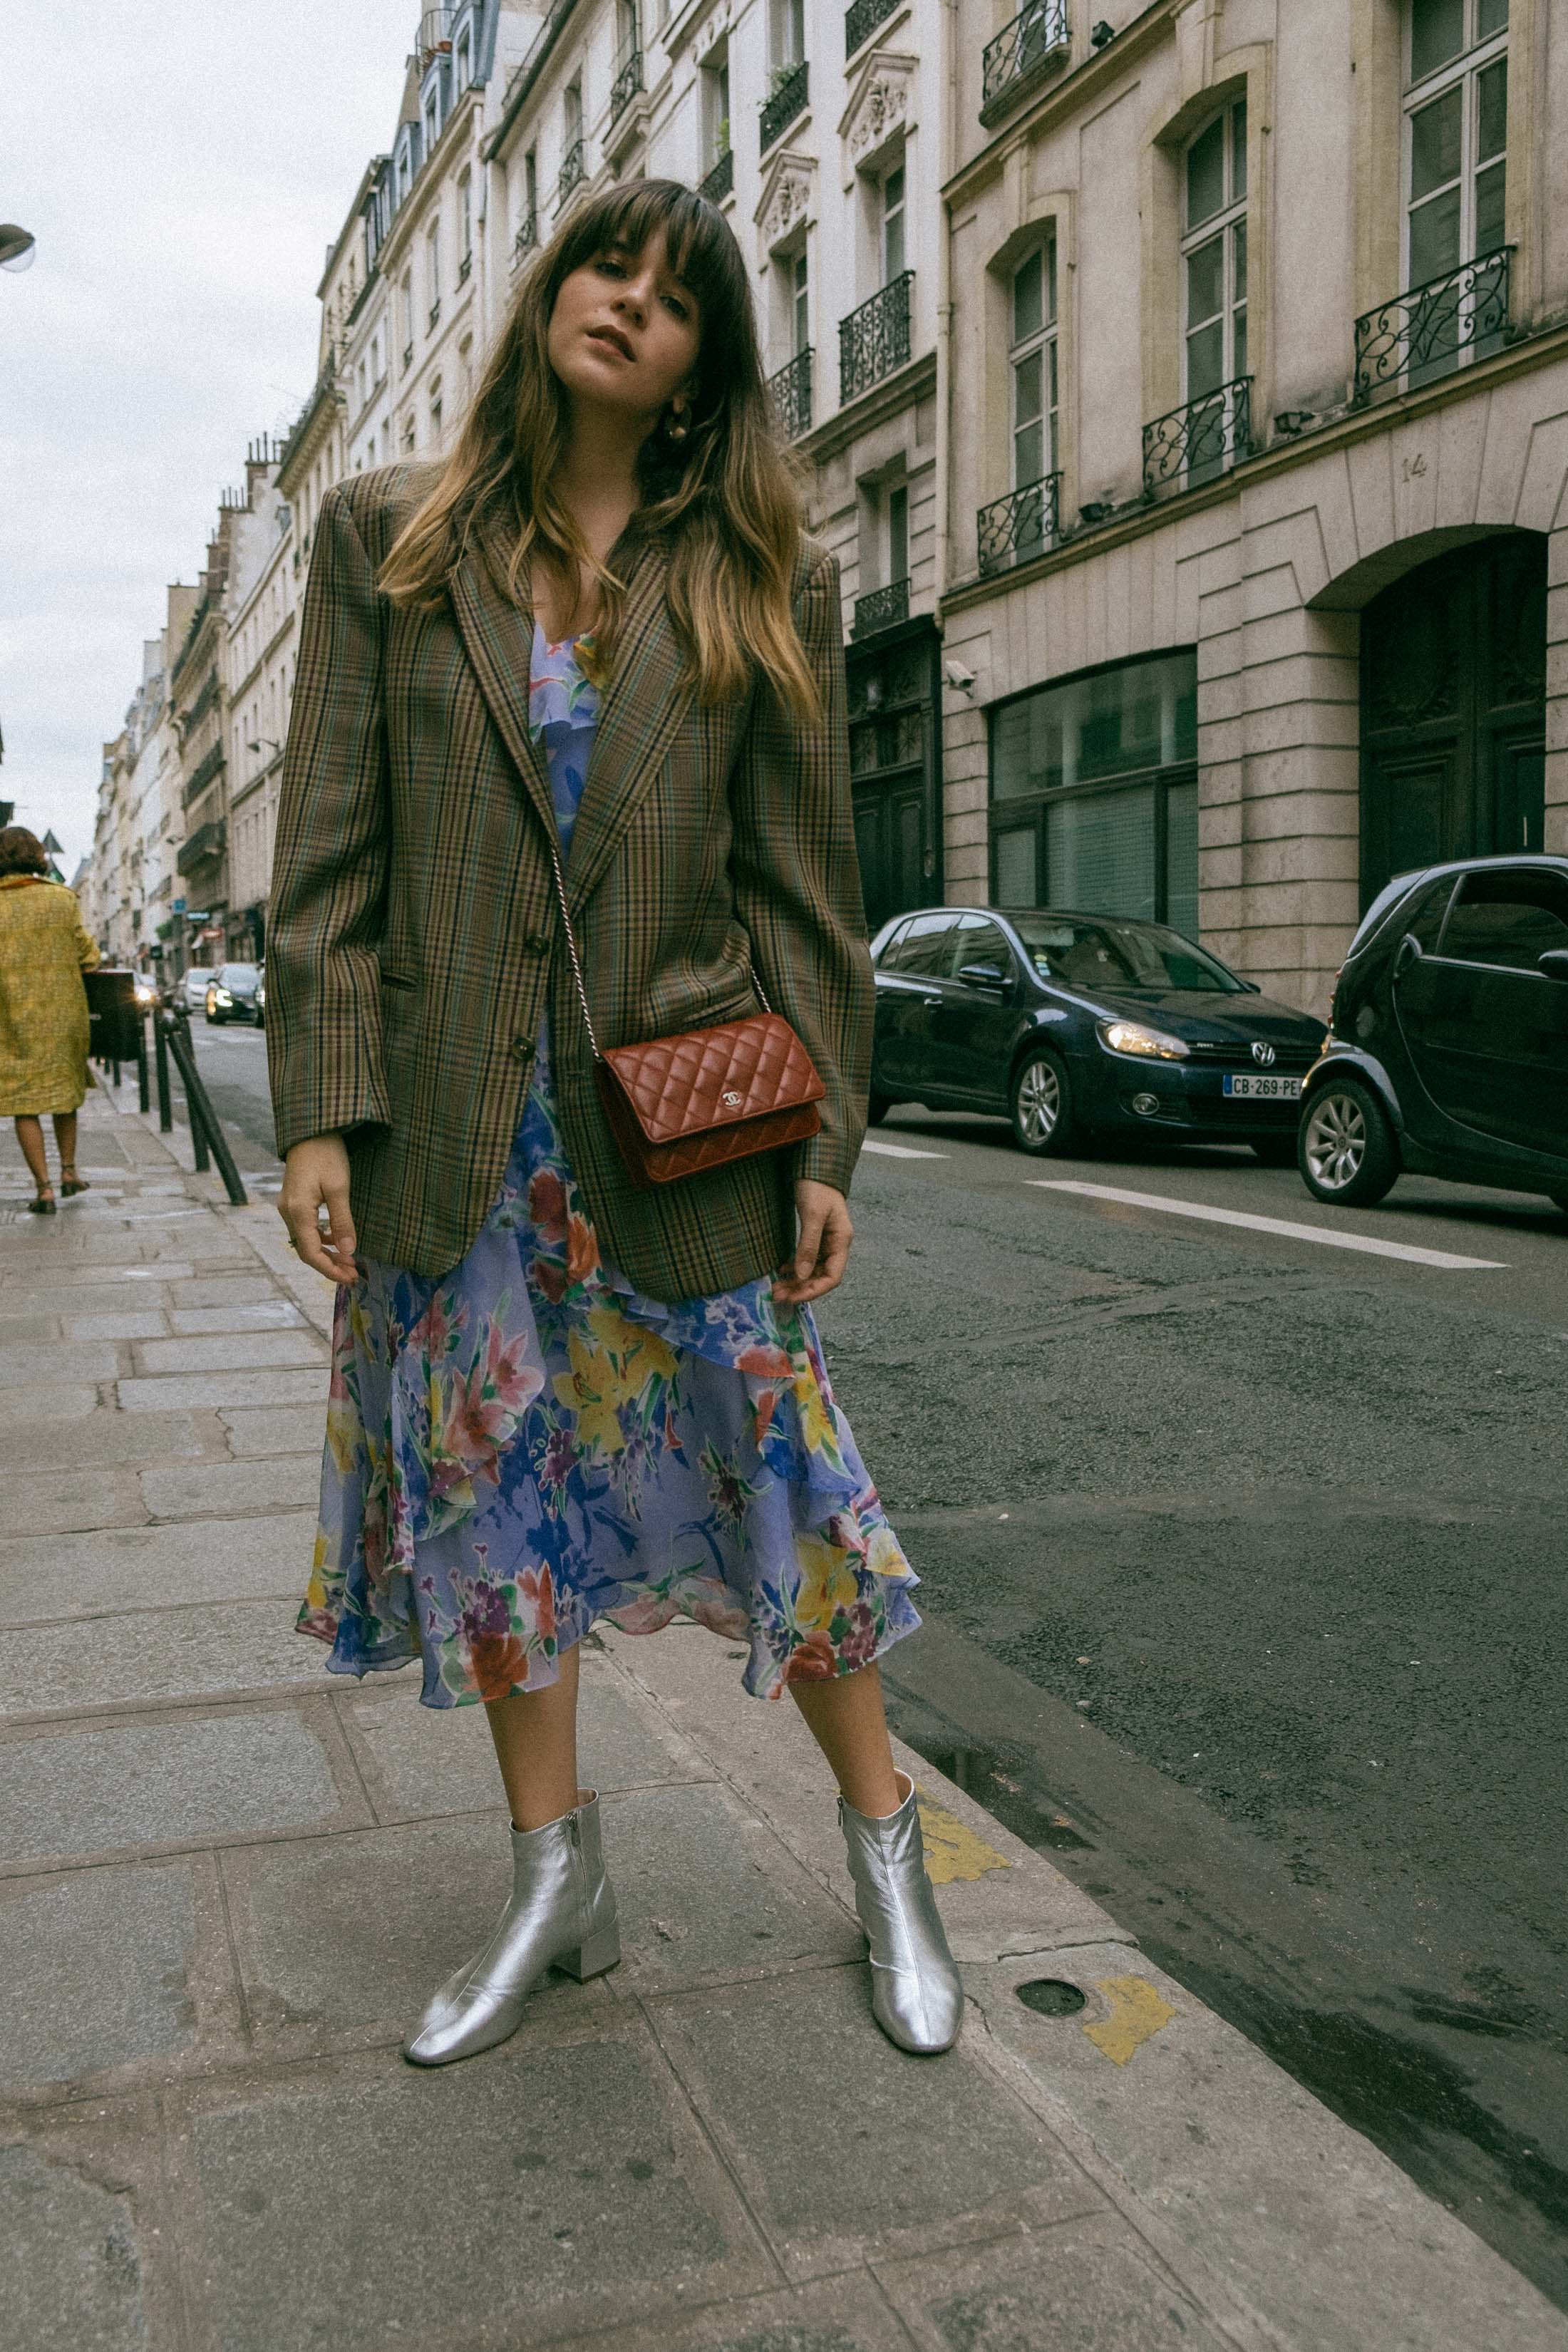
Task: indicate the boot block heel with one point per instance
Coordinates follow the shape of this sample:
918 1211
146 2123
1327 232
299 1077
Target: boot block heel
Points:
593 1955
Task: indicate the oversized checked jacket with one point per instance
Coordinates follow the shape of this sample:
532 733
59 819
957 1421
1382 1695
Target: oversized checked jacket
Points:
414 938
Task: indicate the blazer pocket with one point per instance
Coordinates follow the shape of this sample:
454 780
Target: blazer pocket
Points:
397 979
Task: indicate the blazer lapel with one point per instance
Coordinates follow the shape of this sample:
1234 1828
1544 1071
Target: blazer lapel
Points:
497 636
642 709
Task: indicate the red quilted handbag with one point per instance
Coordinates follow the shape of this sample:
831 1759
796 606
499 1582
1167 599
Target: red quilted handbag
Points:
678 1106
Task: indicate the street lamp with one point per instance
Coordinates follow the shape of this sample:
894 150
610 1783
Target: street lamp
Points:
18 247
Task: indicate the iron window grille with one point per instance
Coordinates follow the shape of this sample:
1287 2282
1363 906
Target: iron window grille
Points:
787 101
407 357
1428 330
791 393
875 340
465 269
1023 48
719 181
1200 440
527 235
881 608
1024 524
862 20
573 171
434 314
626 83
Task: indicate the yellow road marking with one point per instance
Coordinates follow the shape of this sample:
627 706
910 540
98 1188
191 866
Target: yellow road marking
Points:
1137 2014
952 1850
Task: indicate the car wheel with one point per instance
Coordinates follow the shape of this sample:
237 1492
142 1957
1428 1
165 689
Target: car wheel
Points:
1275 1150
1041 1104
877 1109
1347 1150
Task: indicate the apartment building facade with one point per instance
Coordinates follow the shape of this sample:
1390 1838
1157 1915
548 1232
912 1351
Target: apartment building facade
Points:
1257 589
817 130
263 596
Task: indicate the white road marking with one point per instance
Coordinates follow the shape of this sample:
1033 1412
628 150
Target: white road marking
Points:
1272 1225
900 1150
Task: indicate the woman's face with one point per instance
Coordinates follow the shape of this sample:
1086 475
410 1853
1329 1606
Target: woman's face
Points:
625 333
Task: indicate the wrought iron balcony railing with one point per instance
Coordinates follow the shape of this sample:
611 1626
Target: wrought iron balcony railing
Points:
875 340
626 83
573 171
791 393
207 841
1023 48
862 19
527 236
434 314
1200 440
1021 526
881 608
787 100
1433 328
465 269
718 184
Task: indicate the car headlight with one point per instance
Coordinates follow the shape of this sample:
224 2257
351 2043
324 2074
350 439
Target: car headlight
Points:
261 996
222 996
1133 1038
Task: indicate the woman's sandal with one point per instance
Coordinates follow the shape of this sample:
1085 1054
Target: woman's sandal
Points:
43 1205
71 1184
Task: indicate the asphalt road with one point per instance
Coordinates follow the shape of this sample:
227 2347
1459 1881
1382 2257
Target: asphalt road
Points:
1242 1560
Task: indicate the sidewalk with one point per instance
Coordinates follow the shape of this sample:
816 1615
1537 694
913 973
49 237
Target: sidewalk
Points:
229 1883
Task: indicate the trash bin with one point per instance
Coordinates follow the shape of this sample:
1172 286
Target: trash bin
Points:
114 1017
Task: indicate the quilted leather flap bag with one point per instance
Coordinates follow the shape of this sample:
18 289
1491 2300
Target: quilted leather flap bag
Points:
678 1106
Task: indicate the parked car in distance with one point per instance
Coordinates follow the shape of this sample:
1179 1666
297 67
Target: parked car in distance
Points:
194 982
1081 1025
1448 1046
232 992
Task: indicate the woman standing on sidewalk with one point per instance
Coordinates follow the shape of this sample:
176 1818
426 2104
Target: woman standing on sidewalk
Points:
43 951
598 634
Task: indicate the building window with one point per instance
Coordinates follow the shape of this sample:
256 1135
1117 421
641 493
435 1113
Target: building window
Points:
405 317
374 361
432 118
464 60
433 270
464 225
1214 254
1032 364
716 139
787 33
437 410
896 553
1094 794
574 103
893 223
1456 136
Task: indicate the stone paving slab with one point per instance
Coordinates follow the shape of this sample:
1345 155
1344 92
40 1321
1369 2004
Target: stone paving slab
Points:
224 1489
147 1323
850 2149
846 2313
45 1403
206 1291
106 1970
45 1580
36 1328
27 1273
1090 2285
151 1785
67 1502
276 1429
62 1365
73 2269
226 1352
540 2189
262 1315
190 1391
104 1436
160 1657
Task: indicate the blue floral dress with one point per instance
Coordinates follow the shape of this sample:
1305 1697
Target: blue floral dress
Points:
526 1443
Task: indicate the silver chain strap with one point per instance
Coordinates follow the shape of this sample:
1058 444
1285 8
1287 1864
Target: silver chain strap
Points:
552 842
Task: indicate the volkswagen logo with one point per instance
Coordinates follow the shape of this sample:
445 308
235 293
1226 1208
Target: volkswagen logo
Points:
1263 1055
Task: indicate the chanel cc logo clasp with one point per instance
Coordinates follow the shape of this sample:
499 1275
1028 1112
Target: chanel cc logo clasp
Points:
731 1099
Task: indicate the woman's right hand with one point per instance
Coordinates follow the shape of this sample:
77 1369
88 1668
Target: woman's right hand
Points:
316 1176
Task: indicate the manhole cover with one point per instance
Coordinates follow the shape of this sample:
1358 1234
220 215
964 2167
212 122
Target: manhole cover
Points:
1051 1996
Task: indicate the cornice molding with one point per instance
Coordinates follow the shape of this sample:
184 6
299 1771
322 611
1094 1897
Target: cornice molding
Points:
881 108
788 196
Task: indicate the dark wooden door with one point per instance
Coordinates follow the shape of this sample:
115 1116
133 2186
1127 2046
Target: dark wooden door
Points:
1453 668
889 840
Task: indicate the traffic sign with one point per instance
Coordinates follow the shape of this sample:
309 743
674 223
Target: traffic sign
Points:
179 906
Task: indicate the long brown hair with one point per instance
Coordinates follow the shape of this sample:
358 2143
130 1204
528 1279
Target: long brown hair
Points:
726 500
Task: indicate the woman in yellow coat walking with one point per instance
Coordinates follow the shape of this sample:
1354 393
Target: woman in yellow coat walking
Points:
43 951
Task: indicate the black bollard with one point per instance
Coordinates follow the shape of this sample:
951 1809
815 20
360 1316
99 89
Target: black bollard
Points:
161 1055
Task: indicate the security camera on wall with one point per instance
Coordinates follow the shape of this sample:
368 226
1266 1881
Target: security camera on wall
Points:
958 674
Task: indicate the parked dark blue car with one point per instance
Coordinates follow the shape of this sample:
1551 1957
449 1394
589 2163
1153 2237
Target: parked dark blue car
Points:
1448 1047
1080 1024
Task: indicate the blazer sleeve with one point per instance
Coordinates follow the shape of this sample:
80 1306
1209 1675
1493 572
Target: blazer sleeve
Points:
330 859
797 882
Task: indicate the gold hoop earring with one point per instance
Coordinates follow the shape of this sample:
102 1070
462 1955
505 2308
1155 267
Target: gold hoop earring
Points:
676 425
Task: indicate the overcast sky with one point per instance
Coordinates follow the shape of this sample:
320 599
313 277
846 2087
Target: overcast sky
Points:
183 164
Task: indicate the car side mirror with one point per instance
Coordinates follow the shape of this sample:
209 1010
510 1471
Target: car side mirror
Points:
984 975
1553 963
1409 953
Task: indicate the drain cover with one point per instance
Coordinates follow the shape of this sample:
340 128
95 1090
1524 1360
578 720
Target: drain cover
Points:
1051 1996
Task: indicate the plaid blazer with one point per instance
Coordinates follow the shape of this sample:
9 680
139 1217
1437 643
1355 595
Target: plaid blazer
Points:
415 939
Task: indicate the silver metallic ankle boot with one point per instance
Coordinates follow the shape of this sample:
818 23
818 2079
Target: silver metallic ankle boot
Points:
916 1998
562 1914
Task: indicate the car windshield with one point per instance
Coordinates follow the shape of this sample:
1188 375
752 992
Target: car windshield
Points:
1101 952
199 971
1387 899
237 975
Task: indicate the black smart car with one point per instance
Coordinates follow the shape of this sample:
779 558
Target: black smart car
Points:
1447 1050
234 993
1076 1024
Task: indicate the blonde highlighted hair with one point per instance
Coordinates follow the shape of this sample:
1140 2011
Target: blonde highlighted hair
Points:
726 501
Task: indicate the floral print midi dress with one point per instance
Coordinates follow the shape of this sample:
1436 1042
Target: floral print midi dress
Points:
526 1444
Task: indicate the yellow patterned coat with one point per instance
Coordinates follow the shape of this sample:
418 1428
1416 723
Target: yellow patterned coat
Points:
43 951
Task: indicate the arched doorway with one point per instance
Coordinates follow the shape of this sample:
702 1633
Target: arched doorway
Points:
1453 722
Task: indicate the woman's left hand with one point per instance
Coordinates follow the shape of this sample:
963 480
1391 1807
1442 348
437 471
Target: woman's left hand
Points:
822 1252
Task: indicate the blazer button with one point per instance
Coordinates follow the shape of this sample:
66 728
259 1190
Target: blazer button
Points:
522 1048
537 942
